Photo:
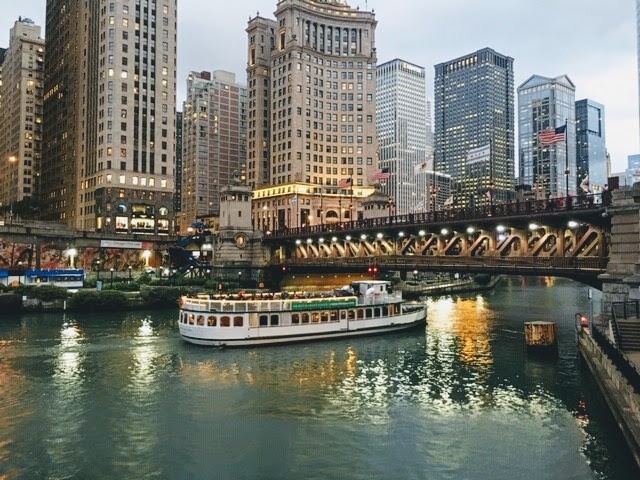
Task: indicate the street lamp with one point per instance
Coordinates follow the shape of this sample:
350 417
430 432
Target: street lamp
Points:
146 255
111 277
130 273
71 253
98 267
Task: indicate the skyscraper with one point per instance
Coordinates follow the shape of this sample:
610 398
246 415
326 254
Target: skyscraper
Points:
214 142
21 83
591 151
545 103
110 95
474 108
311 81
177 200
401 118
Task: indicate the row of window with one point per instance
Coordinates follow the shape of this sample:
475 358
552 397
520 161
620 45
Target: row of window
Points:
274 320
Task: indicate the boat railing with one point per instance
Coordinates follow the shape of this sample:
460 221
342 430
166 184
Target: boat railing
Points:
241 306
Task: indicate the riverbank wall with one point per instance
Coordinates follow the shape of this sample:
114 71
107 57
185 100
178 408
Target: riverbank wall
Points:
620 395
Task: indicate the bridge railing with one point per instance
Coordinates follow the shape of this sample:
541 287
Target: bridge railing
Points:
513 209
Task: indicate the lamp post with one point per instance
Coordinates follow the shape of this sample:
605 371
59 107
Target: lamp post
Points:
130 273
146 255
390 207
98 267
71 253
12 160
111 277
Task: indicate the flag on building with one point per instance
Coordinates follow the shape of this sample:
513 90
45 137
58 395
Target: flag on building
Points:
422 167
584 184
345 183
294 200
551 136
489 193
449 201
479 154
380 174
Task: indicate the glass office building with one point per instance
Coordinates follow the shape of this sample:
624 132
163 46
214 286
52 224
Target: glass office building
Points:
547 103
401 117
474 107
591 152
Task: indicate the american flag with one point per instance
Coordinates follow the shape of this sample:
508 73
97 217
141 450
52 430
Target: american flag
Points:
551 136
380 174
345 183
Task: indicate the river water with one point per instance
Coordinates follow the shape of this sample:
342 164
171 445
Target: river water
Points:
120 396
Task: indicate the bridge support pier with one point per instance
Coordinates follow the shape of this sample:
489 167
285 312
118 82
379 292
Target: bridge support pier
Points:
621 283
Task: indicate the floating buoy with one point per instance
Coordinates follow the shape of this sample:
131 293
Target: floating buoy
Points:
541 337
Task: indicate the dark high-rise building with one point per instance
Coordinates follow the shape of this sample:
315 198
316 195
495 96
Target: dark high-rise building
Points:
474 108
591 150
110 118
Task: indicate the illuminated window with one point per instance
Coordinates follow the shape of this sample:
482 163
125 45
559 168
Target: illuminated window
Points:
123 179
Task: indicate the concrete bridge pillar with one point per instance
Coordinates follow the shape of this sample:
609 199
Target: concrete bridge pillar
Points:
621 283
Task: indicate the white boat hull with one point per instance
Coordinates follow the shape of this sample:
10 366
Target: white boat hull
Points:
256 336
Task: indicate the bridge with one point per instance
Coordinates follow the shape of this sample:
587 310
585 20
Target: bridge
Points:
561 237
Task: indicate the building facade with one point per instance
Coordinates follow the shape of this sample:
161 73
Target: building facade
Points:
547 103
474 108
21 86
591 150
177 200
214 142
110 117
401 119
311 77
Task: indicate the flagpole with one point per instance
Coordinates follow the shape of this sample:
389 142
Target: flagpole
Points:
566 159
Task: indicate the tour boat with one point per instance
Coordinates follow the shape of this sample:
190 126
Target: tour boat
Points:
363 308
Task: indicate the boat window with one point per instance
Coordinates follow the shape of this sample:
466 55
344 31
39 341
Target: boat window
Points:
227 307
385 311
225 321
360 314
324 317
264 320
192 319
275 320
376 312
183 318
343 314
238 321
392 310
333 316
295 319
351 314
369 312
201 320
315 317
305 318
212 321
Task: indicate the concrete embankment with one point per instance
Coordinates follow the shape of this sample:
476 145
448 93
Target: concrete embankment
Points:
623 401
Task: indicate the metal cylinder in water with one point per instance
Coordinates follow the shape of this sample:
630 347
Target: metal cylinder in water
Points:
541 337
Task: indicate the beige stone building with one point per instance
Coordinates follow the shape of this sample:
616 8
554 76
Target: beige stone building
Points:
21 83
311 142
109 104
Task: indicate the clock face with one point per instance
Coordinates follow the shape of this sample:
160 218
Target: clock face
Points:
241 241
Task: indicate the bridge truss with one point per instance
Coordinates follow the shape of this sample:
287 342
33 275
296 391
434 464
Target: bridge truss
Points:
536 238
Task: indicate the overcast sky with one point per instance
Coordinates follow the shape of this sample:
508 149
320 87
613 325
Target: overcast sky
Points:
592 41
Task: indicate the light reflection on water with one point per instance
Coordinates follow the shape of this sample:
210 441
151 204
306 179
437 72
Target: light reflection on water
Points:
123 397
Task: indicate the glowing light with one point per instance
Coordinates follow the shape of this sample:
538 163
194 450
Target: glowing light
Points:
422 233
533 226
470 230
572 224
444 231
501 228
